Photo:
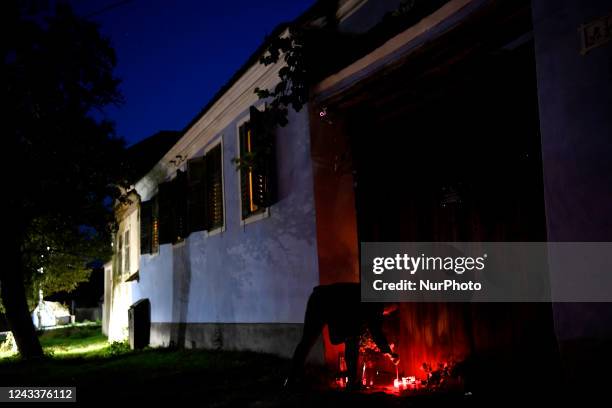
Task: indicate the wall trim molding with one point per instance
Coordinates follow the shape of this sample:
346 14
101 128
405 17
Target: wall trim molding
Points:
396 47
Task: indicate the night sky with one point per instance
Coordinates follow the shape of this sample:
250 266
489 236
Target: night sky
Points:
173 56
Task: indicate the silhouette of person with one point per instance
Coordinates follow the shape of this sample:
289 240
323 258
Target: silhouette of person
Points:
339 306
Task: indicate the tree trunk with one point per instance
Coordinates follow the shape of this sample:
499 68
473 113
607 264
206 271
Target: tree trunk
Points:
12 289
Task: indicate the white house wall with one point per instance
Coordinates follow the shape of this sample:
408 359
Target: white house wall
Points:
247 286
122 292
118 322
108 276
265 270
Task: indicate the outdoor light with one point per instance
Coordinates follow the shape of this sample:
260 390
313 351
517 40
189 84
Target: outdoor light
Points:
324 116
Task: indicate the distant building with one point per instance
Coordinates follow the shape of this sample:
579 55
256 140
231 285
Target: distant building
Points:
49 314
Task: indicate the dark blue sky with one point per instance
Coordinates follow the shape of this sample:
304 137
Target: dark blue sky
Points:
173 56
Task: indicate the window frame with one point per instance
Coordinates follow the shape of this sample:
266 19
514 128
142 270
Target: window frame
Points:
180 172
127 267
154 224
119 253
155 245
213 144
265 212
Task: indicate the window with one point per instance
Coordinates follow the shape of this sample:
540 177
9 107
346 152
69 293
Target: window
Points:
172 209
149 227
258 164
126 251
155 231
214 188
205 191
196 180
119 268
165 202
181 229
192 201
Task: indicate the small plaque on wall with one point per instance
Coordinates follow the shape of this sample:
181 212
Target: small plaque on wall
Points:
595 33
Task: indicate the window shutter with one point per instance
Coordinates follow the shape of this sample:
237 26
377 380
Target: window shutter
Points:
119 253
214 188
155 224
179 206
127 257
146 226
166 227
244 173
196 175
264 171
172 202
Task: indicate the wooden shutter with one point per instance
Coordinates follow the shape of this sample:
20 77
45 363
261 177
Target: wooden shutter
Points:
119 253
264 171
196 175
244 172
126 247
166 224
179 206
146 226
172 204
214 188
154 225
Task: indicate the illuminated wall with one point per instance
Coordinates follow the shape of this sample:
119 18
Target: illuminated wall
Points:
118 291
247 285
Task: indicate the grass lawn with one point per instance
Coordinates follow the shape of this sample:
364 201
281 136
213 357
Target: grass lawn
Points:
81 357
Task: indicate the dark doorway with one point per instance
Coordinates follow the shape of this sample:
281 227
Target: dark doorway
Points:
455 156
459 162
